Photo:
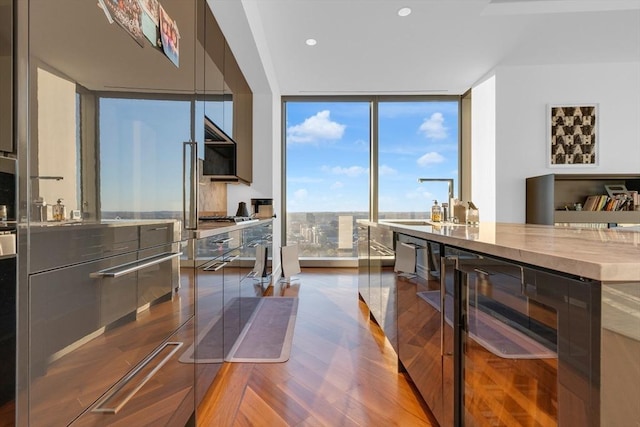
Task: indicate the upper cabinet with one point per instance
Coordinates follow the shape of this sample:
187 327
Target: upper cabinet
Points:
229 103
6 76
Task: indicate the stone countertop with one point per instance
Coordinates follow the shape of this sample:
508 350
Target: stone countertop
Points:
608 255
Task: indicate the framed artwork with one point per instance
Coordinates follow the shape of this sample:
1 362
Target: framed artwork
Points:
573 135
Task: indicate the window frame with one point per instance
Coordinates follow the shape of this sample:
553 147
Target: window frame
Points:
463 185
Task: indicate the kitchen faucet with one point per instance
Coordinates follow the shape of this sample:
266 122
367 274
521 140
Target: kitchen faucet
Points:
449 181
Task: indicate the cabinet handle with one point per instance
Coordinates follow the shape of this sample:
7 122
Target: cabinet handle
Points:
158 229
233 258
122 383
223 241
132 267
484 273
215 266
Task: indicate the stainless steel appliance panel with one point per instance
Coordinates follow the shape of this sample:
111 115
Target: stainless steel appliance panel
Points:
57 245
160 277
159 391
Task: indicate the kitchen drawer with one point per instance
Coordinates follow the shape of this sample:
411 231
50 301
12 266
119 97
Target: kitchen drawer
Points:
217 245
66 306
166 398
58 246
156 234
259 234
70 316
159 279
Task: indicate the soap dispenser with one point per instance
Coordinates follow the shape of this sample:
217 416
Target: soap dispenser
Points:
59 213
436 212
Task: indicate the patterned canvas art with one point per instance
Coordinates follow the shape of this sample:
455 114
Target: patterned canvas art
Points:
573 135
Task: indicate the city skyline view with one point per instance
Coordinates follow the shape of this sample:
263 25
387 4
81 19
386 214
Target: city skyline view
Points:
327 154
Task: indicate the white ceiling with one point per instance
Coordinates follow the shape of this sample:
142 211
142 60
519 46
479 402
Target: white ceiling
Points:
442 47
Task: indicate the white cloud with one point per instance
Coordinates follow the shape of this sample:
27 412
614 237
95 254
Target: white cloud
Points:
300 194
336 185
430 159
351 171
314 128
385 170
433 127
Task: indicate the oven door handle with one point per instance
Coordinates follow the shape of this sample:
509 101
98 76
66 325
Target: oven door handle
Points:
132 267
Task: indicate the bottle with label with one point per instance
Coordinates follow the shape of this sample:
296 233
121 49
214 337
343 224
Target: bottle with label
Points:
59 213
436 212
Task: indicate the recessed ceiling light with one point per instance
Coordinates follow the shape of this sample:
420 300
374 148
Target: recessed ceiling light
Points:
311 42
405 11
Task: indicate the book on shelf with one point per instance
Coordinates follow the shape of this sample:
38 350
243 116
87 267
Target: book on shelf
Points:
619 202
591 203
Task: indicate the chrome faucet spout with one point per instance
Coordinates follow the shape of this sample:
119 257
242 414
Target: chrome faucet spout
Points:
449 181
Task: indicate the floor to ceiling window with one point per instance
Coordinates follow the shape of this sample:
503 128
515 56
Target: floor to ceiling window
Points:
416 139
327 176
329 147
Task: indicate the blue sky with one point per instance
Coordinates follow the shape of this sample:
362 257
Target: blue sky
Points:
328 154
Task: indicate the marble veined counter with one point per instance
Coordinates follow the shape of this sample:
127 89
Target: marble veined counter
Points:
600 254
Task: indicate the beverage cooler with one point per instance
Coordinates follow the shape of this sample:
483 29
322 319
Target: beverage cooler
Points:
525 340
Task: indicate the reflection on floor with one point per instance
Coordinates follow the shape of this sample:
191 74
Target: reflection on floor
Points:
342 371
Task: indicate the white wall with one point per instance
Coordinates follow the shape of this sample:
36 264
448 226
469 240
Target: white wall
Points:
267 164
522 96
483 148
56 148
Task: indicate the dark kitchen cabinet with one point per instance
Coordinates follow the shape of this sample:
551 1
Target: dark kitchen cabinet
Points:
528 335
381 259
227 294
425 338
210 256
376 278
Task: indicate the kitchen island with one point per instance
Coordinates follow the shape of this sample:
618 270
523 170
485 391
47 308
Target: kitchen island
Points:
604 264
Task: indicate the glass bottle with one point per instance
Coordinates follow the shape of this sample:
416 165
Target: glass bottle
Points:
436 212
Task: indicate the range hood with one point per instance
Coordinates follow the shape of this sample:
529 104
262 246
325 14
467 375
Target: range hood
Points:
220 154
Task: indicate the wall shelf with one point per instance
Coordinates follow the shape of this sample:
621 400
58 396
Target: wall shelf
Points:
547 195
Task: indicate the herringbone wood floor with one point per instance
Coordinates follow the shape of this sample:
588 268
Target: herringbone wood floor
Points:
342 372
